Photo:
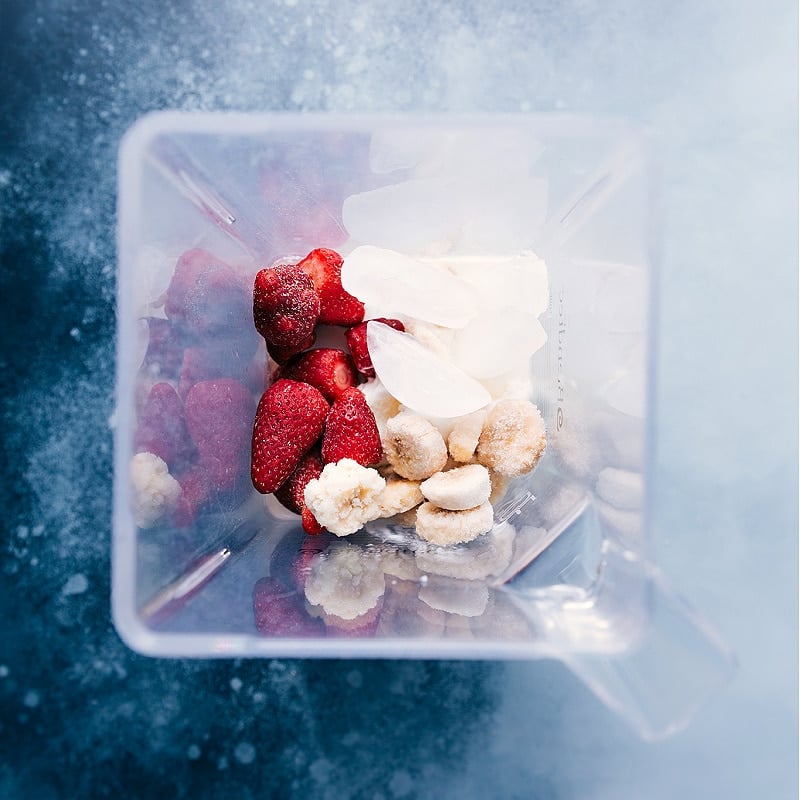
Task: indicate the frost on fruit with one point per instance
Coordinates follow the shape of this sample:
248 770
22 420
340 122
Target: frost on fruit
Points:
155 491
345 496
513 438
345 581
422 290
413 446
419 379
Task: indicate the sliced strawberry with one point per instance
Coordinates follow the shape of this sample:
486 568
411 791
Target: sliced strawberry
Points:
285 305
357 342
351 431
279 611
290 417
218 415
338 307
280 355
329 370
162 428
206 294
290 492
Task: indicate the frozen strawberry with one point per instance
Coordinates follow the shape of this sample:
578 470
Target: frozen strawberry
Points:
218 415
165 346
217 359
279 611
324 267
280 355
162 427
290 492
197 489
207 295
290 417
285 305
329 370
351 431
357 342
309 522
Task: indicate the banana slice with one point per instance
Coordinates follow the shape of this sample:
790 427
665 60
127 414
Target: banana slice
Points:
463 439
499 485
440 526
413 446
458 489
513 438
398 496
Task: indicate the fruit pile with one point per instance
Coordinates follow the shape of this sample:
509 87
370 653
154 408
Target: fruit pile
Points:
371 410
336 447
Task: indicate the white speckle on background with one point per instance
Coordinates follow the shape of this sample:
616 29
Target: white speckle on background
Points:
77 584
193 752
401 784
236 684
31 699
4 671
320 770
355 679
244 753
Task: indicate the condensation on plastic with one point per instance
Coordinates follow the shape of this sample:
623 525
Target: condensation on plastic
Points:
578 584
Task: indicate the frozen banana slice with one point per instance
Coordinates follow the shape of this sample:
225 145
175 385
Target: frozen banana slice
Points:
463 439
458 489
513 438
398 496
440 526
414 447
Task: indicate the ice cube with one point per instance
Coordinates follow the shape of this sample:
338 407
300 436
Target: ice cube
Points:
418 378
407 287
520 282
497 342
487 212
407 216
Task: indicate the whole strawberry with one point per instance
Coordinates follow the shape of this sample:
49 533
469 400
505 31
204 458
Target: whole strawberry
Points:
290 492
285 305
207 295
357 342
162 428
165 345
338 307
327 369
218 415
280 355
351 431
290 417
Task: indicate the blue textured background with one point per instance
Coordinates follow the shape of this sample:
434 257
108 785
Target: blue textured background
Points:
82 716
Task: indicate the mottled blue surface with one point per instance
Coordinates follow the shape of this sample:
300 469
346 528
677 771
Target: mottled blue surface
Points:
80 715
